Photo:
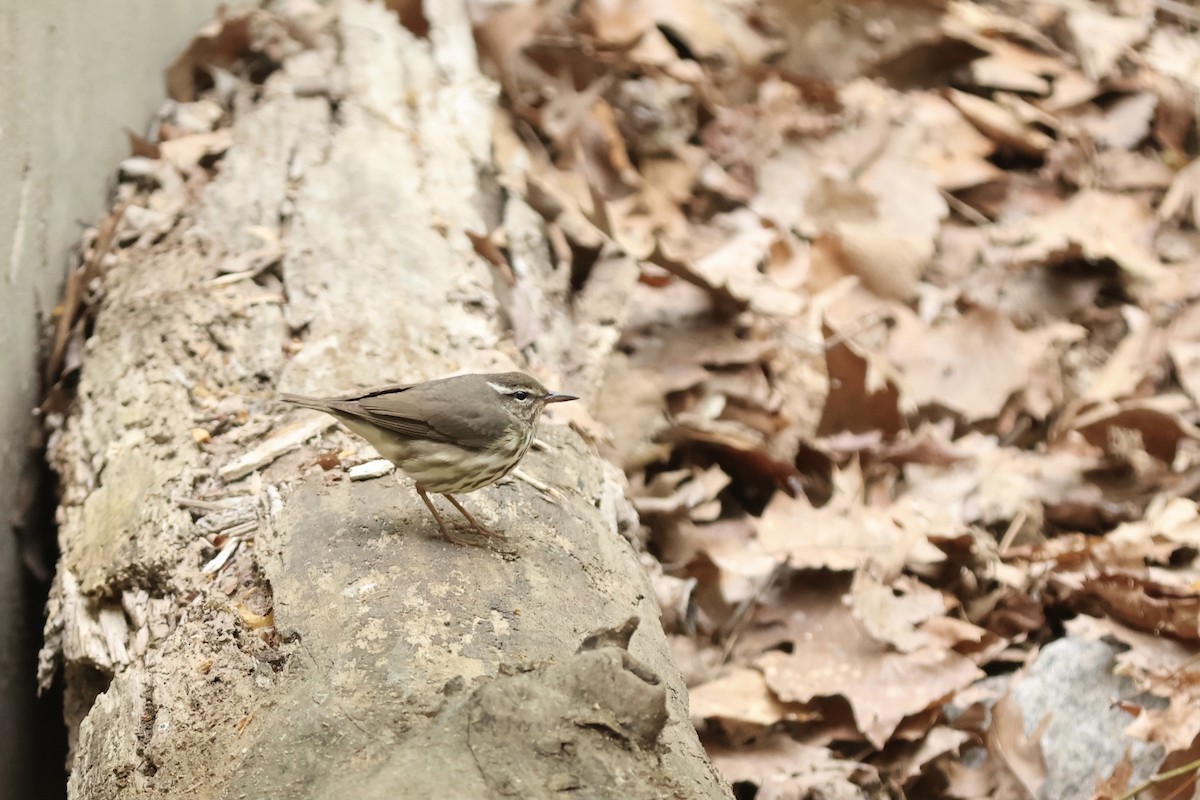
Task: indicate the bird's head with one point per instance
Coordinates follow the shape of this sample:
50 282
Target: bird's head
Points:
524 397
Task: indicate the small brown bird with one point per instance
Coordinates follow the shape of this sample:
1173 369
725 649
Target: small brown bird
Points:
451 435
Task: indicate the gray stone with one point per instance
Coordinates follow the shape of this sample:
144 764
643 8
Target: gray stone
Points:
1072 682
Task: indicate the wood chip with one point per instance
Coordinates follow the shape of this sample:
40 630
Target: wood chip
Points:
370 470
284 441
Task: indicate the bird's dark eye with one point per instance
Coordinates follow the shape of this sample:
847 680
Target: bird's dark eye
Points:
521 395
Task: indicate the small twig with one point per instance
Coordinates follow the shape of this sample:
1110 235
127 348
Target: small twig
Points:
75 287
967 210
1014 528
867 322
226 504
1191 766
544 488
231 277
737 620
241 529
222 558
280 442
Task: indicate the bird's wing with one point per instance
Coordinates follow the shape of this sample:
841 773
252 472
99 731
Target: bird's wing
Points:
420 416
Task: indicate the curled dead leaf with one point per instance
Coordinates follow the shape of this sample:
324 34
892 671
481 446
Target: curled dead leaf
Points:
1147 605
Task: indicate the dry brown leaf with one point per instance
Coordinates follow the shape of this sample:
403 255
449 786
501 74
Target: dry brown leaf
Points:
1115 785
1183 345
1000 124
1101 39
842 535
930 444
1159 424
1161 666
616 24
716 31
971 365
704 343
952 148
741 696
892 614
727 257
833 655
864 389
746 568
996 485
886 170
887 264
687 492
1011 67
75 289
1147 605
988 26
787 179
221 43
1127 170
1175 52
980 645
630 405
908 760
1091 226
908 200
1181 765
1136 359
1176 726
832 44
1125 123
800 380
698 660
782 769
990 780
601 152
1172 519
1183 198
1071 89
186 152
1020 753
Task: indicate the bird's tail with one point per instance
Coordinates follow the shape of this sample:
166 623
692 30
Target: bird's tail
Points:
305 402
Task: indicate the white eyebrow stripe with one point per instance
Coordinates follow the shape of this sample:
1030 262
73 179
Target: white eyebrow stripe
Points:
498 389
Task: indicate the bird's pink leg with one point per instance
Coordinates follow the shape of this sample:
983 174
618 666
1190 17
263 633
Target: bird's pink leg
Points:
476 524
441 522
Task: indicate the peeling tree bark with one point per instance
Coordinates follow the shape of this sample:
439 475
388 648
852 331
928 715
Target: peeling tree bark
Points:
344 649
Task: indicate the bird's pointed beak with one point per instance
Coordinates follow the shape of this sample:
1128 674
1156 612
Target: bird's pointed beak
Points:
559 397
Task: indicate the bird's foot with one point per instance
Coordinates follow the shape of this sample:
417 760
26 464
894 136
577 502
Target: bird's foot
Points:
447 531
455 536
474 524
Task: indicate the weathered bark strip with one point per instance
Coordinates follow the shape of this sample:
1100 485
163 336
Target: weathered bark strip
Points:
397 665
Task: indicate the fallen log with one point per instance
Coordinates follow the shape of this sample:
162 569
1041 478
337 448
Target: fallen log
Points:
233 615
